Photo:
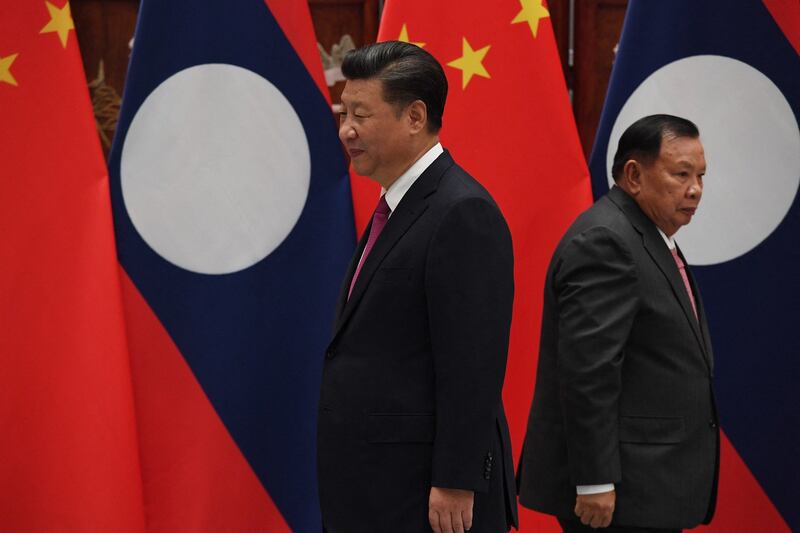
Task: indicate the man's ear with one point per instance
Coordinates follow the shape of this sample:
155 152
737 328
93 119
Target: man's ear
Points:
417 114
631 179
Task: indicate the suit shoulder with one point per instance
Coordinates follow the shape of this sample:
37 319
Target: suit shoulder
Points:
603 214
602 228
461 204
458 186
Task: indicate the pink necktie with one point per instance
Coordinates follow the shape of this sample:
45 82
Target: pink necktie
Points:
682 269
379 219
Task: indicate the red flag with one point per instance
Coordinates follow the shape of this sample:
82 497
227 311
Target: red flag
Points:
68 445
508 122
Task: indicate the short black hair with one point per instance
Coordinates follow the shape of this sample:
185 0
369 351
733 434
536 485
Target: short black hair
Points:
642 139
407 73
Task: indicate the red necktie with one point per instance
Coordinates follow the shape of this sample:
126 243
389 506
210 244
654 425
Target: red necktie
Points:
379 219
682 269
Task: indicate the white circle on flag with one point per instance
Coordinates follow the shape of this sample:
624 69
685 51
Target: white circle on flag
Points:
752 148
215 169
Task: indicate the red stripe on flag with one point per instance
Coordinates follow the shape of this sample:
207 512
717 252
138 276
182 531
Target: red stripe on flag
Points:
787 14
742 505
294 18
195 477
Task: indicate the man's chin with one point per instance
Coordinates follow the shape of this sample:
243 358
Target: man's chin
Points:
360 169
686 218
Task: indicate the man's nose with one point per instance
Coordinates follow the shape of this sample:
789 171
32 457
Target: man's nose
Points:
696 188
346 131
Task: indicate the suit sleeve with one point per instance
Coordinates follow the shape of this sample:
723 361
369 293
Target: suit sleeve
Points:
469 283
596 288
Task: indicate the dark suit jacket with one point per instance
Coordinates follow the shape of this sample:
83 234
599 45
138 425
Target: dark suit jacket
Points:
623 391
411 387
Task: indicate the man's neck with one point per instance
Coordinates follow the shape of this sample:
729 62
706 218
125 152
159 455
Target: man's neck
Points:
668 234
430 143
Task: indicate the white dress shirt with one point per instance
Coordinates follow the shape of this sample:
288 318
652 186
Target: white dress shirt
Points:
669 240
400 187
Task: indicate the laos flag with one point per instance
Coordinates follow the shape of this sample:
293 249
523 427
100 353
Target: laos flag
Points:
234 226
733 68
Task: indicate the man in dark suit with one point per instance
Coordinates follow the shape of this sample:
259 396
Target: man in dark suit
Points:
623 427
412 434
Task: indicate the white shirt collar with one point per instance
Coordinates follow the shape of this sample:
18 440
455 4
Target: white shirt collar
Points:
400 187
669 240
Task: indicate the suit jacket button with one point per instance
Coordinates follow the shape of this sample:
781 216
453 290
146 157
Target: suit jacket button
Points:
712 424
330 354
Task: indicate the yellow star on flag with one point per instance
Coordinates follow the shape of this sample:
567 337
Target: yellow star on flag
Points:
404 37
532 12
60 22
470 63
5 69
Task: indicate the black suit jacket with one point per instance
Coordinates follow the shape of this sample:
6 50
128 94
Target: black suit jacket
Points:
623 391
411 387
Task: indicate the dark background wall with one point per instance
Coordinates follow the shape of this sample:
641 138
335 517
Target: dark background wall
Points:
587 32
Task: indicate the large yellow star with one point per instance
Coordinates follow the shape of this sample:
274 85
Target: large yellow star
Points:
532 11
470 63
404 37
60 22
5 70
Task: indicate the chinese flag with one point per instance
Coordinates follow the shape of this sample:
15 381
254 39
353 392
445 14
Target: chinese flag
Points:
508 122
68 446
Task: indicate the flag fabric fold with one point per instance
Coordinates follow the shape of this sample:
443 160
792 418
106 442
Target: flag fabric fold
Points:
68 436
234 226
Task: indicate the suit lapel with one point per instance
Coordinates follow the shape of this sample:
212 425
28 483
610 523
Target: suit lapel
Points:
666 263
662 257
701 313
351 268
413 204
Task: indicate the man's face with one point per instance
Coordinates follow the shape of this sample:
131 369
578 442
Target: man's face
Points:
375 135
670 188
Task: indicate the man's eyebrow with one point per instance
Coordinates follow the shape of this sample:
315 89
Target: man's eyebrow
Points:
686 163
